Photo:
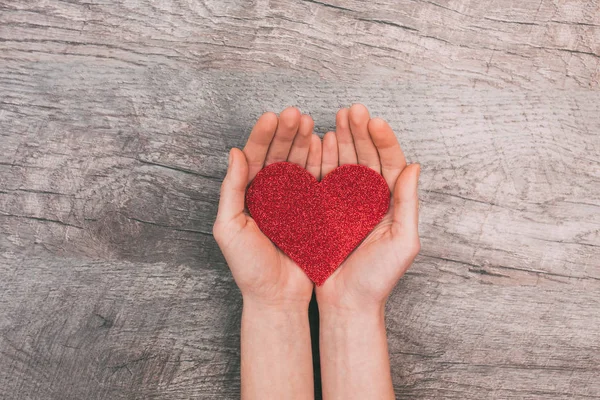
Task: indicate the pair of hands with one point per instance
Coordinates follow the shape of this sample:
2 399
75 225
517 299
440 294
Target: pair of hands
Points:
269 278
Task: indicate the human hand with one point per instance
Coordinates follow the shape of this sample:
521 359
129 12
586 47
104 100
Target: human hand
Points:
366 278
354 356
264 274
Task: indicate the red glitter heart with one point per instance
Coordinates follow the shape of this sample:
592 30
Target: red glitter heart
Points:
317 224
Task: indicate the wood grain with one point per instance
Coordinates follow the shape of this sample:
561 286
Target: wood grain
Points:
115 121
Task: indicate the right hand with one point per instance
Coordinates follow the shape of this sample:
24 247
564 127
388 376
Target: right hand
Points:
366 278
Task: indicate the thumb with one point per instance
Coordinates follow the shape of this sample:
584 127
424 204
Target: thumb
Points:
233 190
406 204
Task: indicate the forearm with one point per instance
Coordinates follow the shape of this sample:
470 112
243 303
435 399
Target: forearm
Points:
354 354
276 353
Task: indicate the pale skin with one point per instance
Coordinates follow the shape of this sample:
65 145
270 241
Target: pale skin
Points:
275 339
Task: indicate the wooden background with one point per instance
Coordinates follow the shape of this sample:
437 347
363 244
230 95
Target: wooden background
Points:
115 122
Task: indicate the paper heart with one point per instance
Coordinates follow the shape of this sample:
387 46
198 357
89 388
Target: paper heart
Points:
317 224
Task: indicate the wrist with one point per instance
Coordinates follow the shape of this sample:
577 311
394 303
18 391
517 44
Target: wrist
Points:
373 313
282 321
274 307
350 307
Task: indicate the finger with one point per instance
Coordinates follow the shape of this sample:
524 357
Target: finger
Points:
259 141
346 149
300 146
330 154
289 121
313 162
365 149
406 205
390 154
233 189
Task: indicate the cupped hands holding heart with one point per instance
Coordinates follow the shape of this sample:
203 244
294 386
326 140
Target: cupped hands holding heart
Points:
319 224
267 274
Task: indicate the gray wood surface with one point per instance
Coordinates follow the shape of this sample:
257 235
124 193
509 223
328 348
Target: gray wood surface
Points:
115 121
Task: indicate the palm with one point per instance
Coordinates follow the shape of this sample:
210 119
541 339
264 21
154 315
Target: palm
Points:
267 272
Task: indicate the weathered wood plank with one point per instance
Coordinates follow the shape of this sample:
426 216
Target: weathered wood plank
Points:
115 120
117 330
507 43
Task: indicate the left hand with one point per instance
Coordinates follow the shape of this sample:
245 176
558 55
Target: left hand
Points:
265 275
